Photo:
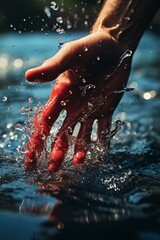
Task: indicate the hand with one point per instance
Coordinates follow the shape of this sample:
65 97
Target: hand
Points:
90 75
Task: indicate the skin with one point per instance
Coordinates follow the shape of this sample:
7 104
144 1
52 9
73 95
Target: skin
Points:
90 74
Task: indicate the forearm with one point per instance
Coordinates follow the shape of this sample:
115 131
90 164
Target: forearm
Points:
126 20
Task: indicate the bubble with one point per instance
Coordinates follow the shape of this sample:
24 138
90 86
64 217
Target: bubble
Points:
98 58
54 6
5 99
84 80
98 1
85 49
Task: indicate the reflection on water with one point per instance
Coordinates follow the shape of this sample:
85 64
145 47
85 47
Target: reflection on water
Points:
112 196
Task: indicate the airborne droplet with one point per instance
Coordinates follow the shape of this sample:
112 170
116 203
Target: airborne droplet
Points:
63 103
4 99
54 6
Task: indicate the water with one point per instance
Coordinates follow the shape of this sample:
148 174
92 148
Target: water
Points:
117 196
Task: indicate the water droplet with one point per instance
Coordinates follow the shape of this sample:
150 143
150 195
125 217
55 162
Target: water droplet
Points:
59 20
119 122
86 23
9 125
70 92
47 12
42 136
85 49
23 110
84 80
30 100
98 58
127 18
54 6
5 99
70 129
23 137
60 30
60 225
63 103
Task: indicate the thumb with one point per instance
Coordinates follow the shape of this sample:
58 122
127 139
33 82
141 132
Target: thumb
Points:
65 59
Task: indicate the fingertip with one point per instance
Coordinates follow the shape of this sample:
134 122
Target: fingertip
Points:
79 157
35 75
30 160
27 74
56 159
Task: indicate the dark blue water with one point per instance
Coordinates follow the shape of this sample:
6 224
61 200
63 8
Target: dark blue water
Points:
117 196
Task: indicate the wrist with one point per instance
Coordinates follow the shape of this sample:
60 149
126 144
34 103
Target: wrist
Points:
126 20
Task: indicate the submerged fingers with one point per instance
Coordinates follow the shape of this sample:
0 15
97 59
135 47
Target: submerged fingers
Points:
60 147
37 140
42 126
83 140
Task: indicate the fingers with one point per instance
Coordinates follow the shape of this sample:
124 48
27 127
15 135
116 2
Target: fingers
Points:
103 130
65 59
37 140
60 145
42 126
83 139
58 153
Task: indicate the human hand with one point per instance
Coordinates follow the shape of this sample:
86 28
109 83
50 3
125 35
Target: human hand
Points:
91 73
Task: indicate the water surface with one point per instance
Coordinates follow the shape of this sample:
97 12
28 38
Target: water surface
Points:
116 196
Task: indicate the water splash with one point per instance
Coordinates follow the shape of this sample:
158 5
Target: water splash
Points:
127 54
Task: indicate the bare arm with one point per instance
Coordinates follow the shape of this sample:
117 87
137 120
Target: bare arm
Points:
126 20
